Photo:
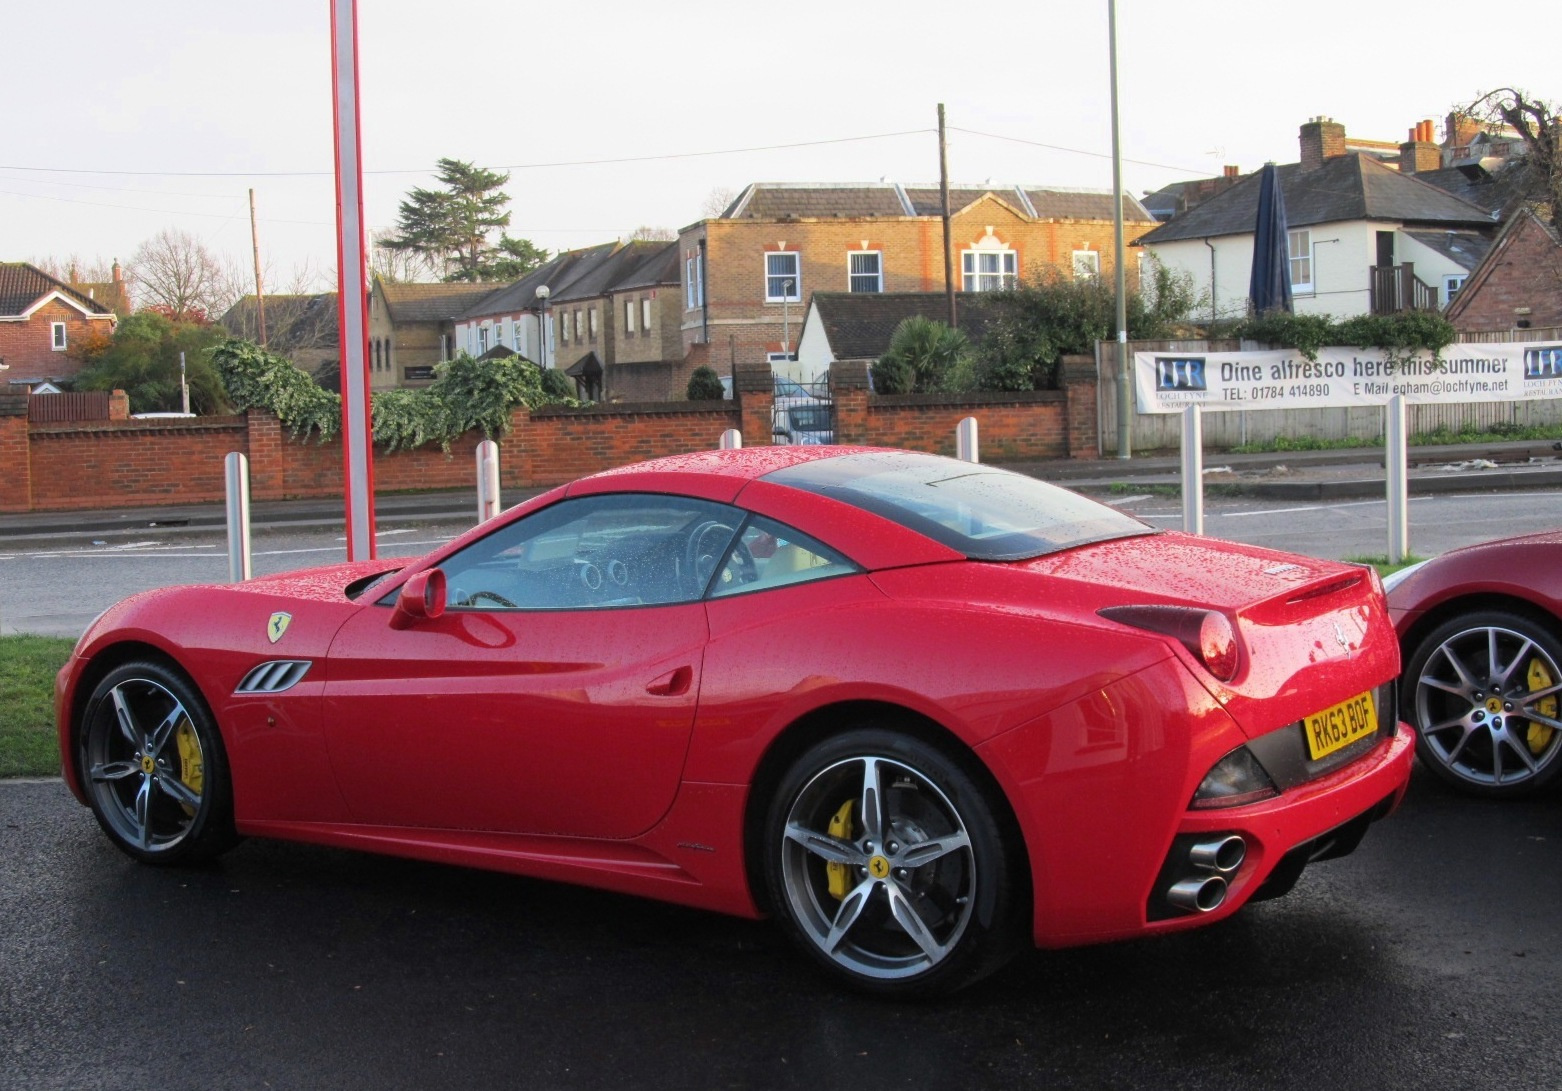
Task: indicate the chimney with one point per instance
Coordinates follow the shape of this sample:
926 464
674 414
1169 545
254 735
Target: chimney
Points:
1420 153
1461 129
1231 171
119 277
1321 139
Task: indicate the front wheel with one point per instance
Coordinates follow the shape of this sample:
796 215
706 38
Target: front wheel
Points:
154 767
887 863
1483 692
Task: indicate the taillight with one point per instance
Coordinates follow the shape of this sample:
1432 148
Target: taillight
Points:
1208 634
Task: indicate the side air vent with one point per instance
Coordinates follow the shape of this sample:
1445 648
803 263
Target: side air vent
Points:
275 676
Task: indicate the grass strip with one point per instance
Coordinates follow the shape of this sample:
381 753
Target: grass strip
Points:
28 664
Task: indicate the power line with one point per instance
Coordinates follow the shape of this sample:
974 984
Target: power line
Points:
1074 151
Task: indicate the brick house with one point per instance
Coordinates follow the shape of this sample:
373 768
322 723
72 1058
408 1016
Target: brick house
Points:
748 274
612 320
1519 284
41 320
412 327
113 293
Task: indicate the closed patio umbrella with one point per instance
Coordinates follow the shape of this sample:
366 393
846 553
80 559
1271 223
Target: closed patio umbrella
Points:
1270 287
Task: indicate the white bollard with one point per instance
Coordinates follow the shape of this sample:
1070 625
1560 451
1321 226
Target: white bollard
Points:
1192 470
966 441
236 476
1396 459
487 480
731 439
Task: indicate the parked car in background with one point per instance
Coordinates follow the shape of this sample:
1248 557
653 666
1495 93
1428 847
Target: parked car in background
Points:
807 424
1480 631
920 711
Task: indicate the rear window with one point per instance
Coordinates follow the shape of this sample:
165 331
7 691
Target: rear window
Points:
986 513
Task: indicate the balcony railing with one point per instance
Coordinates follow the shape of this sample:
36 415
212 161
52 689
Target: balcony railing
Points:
1396 288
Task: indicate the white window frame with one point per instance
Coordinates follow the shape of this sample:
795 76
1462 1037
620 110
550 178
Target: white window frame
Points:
1453 284
781 358
775 282
629 317
580 326
1300 262
563 318
591 323
1086 264
1003 276
699 280
645 314
854 276
58 336
690 284
482 339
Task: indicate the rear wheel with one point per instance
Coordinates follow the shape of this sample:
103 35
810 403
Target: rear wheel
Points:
1483 694
154 767
886 862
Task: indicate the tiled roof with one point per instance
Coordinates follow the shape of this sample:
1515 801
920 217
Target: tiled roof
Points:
1348 187
820 201
607 273
558 273
659 268
433 302
1499 193
1463 248
860 324
23 285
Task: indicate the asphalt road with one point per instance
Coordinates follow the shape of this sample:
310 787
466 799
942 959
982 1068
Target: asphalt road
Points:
56 587
1430 958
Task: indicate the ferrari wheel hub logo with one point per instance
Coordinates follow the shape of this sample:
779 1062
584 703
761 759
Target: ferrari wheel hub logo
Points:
878 867
278 625
1494 705
147 764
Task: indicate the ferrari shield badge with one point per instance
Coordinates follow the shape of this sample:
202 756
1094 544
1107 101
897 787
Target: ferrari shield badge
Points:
278 625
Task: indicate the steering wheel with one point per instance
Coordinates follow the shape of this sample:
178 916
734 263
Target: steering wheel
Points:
489 596
701 556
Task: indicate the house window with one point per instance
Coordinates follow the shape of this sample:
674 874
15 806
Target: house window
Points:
482 339
1300 245
781 357
591 317
688 284
1087 264
989 270
57 336
864 271
578 326
699 281
1451 286
782 280
563 317
645 314
444 346
629 317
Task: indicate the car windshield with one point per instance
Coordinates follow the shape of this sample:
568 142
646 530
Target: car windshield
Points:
809 418
986 513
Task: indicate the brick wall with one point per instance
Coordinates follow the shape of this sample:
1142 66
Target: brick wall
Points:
1521 283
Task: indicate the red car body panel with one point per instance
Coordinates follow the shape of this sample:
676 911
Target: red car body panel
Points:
618 748
1526 569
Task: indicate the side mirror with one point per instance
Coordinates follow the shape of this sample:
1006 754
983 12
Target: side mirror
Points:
422 598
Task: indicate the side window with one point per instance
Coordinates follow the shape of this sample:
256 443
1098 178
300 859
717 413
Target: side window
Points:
594 552
771 554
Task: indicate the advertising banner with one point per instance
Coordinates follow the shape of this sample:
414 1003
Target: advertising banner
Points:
1169 382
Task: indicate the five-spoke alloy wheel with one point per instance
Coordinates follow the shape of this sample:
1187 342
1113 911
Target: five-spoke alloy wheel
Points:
886 862
1483 691
153 766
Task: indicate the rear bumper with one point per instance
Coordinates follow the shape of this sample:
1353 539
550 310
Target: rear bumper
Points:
1315 821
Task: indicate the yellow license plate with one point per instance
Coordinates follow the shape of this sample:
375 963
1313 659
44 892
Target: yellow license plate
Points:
1336 728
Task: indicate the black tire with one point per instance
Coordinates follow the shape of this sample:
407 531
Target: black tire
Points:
927 894
154 768
1481 692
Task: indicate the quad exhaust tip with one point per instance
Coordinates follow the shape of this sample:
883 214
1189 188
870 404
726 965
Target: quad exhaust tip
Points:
1213 862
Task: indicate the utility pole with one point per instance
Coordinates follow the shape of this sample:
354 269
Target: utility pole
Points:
260 293
943 194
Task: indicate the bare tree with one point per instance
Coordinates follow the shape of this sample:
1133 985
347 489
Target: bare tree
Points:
1537 124
647 233
397 266
75 269
175 273
717 200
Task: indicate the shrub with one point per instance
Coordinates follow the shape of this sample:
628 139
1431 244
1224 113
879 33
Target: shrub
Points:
924 357
704 385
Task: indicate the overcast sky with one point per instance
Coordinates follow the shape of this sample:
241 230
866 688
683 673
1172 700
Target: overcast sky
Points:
126 118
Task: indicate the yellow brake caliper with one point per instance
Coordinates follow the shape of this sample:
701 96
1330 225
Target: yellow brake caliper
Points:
192 766
1539 734
840 827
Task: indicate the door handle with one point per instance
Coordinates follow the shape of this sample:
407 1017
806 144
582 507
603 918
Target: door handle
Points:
674 683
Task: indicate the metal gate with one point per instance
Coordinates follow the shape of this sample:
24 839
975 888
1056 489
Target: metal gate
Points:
802 413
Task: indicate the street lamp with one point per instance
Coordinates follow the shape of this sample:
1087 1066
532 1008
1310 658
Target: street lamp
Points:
543 293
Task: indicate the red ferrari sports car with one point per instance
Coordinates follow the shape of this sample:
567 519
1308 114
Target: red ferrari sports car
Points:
918 710
1481 632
